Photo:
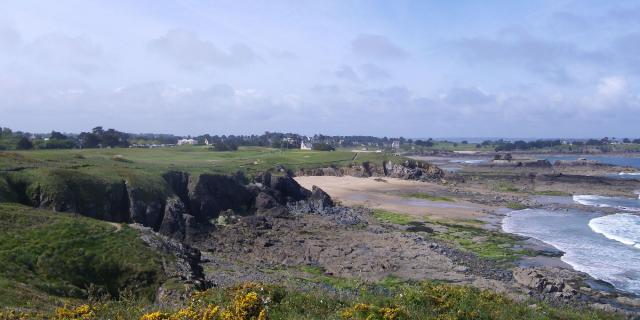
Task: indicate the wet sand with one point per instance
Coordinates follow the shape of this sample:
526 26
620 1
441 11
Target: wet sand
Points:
393 195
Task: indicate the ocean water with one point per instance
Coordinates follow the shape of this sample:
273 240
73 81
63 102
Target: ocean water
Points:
469 161
614 160
593 243
624 204
625 175
621 227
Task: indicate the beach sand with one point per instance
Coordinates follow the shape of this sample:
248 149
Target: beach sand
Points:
393 195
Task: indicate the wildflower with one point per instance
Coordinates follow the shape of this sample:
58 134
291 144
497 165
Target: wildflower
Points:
155 316
82 312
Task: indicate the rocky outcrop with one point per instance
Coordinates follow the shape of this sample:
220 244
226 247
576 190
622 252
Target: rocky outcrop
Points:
145 209
408 170
182 267
579 163
319 199
286 189
179 205
209 194
554 283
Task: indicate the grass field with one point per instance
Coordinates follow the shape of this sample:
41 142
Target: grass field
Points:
192 159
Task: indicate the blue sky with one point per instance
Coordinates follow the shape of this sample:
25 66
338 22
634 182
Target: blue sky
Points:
384 68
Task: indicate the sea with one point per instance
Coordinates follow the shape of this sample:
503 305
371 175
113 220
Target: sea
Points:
617 160
607 247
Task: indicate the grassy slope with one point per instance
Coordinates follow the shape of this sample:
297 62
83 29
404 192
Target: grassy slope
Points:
48 257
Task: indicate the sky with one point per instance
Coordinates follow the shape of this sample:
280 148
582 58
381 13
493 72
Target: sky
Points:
384 68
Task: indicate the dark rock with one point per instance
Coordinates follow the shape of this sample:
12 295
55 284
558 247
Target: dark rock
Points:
263 178
265 201
319 199
173 222
210 194
286 190
146 209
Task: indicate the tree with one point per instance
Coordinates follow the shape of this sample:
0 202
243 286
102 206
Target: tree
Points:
323 147
57 136
89 140
24 144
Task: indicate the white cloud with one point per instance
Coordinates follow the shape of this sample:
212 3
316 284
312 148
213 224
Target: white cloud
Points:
79 54
612 87
10 39
347 73
190 52
377 46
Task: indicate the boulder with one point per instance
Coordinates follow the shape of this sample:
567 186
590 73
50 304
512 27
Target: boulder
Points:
265 201
550 282
286 190
173 223
209 194
319 199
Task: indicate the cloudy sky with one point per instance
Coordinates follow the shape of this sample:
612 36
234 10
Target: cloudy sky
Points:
396 68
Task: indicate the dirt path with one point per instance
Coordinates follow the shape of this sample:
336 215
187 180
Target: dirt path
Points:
118 226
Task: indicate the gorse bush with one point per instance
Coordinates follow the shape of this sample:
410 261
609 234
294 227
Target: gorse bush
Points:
254 301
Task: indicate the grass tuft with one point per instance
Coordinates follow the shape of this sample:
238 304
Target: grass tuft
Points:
426 196
392 217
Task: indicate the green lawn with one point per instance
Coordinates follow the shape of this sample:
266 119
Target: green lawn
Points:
192 159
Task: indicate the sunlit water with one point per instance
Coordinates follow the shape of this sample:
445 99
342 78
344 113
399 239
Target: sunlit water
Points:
605 247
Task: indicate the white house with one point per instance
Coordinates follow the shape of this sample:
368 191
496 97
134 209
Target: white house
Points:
187 141
395 145
304 145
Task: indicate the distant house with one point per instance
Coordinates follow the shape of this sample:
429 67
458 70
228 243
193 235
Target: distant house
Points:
187 141
306 145
395 145
206 141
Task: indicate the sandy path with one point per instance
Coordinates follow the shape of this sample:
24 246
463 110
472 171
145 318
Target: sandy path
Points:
392 195
116 225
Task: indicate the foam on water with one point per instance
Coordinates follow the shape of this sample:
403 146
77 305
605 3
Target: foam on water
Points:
629 173
472 161
585 250
622 227
626 204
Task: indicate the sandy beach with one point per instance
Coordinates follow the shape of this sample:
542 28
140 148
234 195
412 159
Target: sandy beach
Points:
395 195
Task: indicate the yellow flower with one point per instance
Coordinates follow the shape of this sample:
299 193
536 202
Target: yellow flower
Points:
155 316
210 312
82 312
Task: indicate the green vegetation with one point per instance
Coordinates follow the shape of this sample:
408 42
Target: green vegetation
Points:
393 217
468 235
429 197
97 175
505 187
516 206
551 193
485 243
426 300
194 159
317 274
47 257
